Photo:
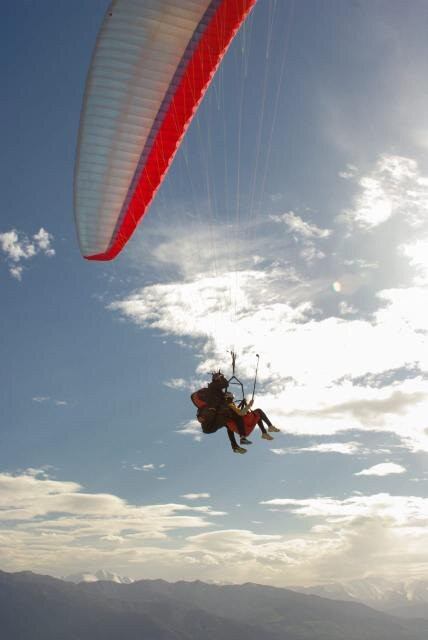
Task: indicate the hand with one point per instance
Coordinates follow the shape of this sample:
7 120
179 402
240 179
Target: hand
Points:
250 404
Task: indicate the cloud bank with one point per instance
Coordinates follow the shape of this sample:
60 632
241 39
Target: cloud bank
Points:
53 526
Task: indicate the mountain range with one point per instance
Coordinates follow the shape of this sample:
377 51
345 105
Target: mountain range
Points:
406 598
35 607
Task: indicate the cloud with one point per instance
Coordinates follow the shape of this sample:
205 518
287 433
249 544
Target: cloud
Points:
387 377
346 309
54 526
310 253
308 365
205 252
360 263
144 467
297 225
195 496
306 233
350 172
17 246
321 347
176 383
16 272
83 525
417 252
395 187
43 241
403 510
383 469
191 428
49 400
345 448
397 402
345 539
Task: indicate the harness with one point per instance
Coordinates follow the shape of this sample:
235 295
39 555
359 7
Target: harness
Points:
204 415
207 418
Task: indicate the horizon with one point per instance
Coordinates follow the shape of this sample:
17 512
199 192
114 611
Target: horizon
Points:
110 576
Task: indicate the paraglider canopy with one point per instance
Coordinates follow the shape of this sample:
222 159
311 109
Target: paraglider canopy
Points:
152 64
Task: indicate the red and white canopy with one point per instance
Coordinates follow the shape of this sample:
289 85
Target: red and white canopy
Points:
153 62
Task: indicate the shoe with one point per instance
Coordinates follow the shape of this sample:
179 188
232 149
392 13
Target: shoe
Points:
239 450
273 429
244 440
266 436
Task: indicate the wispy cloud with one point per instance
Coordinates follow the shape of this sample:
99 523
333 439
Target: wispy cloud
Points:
297 225
194 496
402 509
150 466
394 187
345 448
350 172
49 400
176 383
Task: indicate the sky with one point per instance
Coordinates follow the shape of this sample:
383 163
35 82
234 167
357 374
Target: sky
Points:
292 224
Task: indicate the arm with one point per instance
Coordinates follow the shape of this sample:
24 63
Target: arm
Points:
240 412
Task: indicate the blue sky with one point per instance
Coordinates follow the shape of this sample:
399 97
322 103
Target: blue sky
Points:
293 223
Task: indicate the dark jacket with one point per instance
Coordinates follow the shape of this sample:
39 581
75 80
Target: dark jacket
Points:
214 397
216 412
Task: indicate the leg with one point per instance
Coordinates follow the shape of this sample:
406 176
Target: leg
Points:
224 415
261 426
239 421
235 447
232 438
264 417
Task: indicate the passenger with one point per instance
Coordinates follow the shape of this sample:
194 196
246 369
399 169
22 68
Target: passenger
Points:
246 408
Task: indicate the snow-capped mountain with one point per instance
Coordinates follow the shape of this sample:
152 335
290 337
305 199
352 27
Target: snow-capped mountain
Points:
383 594
101 574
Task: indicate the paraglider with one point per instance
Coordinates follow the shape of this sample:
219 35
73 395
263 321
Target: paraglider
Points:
217 409
152 64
